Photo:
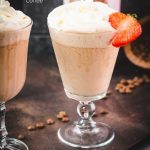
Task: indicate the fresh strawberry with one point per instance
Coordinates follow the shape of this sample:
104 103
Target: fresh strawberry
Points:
116 18
128 29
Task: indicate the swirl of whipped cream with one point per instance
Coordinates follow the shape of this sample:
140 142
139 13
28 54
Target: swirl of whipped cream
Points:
11 19
4 3
81 16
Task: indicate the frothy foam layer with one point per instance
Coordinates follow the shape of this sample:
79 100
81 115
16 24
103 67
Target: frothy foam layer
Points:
82 17
82 40
11 19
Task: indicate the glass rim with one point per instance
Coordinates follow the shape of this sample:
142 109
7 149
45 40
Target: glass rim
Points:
11 31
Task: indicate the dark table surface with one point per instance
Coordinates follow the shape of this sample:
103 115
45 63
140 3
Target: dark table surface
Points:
43 97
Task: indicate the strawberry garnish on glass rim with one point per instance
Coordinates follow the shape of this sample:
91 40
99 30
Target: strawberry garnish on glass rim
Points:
128 28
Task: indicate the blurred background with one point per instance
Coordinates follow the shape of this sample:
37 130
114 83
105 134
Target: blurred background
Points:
38 10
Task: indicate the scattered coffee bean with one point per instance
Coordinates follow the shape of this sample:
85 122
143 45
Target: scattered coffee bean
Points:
40 125
146 79
31 127
131 86
116 88
120 85
50 121
122 90
135 78
104 112
59 116
126 86
128 90
129 81
123 81
95 114
63 113
141 80
21 137
136 83
65 119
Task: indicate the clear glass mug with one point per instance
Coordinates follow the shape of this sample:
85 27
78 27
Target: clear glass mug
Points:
13 64
86 68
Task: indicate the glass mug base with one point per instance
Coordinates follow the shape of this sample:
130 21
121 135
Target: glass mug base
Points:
99 136
86 133
14 144
85 98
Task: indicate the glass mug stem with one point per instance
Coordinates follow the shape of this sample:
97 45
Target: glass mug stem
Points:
86 133
3 131
86 110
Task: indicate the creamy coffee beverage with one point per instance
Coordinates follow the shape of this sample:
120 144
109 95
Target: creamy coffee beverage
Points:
15 28
86 37
81 35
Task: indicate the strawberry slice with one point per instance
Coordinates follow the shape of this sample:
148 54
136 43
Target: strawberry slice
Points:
128 29
116 18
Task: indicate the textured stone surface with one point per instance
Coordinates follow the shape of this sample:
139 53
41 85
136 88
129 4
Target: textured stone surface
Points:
43 97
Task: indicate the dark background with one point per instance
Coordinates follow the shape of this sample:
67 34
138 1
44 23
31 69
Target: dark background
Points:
39 12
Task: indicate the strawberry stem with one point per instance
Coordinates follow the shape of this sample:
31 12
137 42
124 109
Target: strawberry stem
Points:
133 15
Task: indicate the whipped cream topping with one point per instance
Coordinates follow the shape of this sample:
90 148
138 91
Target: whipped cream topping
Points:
82 17
11 19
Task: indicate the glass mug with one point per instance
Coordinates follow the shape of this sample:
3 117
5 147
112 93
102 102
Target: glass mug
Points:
13 63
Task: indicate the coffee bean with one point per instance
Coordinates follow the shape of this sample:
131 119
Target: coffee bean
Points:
59 116
135 78
136 83
31 127
95 114
141 80
131 86
119 86
104 112
50 121
122 90
63 113
126 86
21 137
147 80
65 119
129 81
40 125
128 90
123 81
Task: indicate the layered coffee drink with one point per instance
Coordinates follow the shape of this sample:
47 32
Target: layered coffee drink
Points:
81 37
15 28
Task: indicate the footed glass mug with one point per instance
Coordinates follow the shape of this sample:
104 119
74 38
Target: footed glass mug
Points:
86 68
13 63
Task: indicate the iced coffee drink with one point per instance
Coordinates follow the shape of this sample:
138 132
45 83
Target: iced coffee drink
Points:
86 37
14 36
84 54
15 29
